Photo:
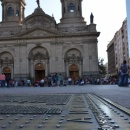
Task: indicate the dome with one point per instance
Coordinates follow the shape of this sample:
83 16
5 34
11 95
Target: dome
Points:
38 11
39 18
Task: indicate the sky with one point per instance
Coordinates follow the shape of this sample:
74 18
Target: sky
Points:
108 17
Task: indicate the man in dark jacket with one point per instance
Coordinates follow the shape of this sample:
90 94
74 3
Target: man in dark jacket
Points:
124 74
8 80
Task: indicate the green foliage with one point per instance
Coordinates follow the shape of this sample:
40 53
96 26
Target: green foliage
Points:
102 68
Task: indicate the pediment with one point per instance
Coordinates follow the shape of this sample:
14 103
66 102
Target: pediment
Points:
36 33
39 32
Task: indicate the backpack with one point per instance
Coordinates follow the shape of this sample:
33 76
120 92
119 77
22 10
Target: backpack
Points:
124 68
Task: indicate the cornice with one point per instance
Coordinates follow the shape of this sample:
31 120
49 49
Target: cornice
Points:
95 34
56 32
13 1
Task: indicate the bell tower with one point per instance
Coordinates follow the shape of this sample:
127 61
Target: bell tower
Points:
13 11
71 8
72 13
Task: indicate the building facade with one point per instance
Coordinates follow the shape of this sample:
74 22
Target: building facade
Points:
118 48
128 22
111 57
36 46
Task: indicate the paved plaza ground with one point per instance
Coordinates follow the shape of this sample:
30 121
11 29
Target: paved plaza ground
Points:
120 95
72 107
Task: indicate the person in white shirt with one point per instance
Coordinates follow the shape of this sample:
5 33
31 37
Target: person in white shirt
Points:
42 83
28 82
70 81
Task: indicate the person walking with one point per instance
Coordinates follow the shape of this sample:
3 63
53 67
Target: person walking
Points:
42 82
49 81
61 78
28 82
69 81
8 80
56 79
124 74
3 77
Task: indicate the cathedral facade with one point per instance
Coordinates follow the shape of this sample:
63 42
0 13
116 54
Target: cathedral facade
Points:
36 46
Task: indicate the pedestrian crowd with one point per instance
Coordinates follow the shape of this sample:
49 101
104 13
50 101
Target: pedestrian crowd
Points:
55 80
59 80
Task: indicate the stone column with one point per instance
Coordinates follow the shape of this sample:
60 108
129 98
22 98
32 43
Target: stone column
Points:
23 13
2 12
17 61
31 69
5 13
46 68
20 13
12 71
80 69
67 71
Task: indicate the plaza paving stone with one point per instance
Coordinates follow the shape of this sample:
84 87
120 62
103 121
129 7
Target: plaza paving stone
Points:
120 95
70 107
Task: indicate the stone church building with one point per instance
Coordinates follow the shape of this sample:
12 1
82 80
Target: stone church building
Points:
36 46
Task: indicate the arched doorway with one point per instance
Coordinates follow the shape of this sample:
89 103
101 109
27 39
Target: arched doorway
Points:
7 71
38 63
74 72
7 64
39 71
73 63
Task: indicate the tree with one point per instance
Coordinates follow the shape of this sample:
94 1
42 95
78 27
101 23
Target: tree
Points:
102 69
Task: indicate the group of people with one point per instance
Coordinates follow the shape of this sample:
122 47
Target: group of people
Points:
59 80
51 80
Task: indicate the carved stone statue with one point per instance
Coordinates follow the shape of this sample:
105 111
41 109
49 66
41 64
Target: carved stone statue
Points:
38 3
91 18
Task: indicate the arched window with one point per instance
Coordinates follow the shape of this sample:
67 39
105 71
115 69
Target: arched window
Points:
71 7
17 13
10 11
